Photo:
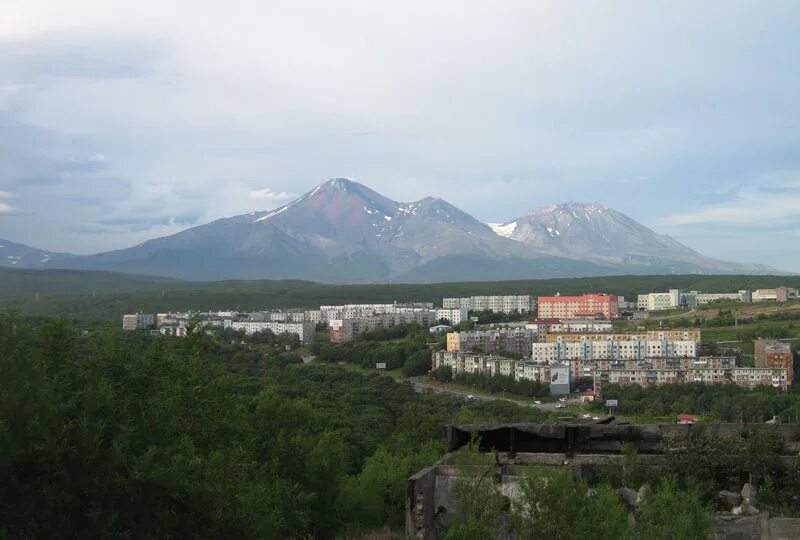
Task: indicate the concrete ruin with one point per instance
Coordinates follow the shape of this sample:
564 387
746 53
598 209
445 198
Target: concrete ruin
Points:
586 450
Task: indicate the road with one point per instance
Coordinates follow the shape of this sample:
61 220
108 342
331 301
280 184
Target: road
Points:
420 384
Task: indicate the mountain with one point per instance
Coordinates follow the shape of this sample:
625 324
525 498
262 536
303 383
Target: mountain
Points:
596 233
21 256
344 232
341 231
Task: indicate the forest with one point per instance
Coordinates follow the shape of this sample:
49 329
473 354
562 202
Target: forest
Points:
114 434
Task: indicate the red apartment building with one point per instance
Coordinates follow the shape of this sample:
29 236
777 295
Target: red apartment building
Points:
596 305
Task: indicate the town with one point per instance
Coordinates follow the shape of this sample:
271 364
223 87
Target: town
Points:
553 340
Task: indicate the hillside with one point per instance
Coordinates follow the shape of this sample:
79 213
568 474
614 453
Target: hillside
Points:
134 293
343 232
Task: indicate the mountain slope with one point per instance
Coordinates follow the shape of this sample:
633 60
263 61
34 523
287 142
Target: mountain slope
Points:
344 232
593 232
340 231
15 255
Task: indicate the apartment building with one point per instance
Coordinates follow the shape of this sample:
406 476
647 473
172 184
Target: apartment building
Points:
672 299
495 303
593 306
137 321
354 311
515 340
778 294
741 376
568 326
587 367
707 298
346 329
675 334
453 315
557 375
774 354
628 349
305 331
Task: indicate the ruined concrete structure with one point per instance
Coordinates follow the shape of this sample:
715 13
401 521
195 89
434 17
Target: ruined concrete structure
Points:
586 450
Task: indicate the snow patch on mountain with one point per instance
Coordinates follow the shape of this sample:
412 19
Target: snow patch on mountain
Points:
503 229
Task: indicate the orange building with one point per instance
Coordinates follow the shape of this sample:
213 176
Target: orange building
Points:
774 354
588 305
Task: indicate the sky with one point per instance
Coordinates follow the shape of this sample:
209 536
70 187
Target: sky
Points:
124 121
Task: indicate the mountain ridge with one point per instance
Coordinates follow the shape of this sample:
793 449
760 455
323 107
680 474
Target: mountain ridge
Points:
342 231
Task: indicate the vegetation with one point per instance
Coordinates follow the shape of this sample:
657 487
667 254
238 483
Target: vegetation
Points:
503 383
553 505
124 434
50 293
727 403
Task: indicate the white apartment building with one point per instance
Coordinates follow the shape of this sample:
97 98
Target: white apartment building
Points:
673 299
633 349
305 331
496 303
354 311
454 315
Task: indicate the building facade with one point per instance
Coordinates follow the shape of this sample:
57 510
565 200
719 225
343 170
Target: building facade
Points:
628 349
745 377
496 303
575 307
137 321
514 340
305 331
774 354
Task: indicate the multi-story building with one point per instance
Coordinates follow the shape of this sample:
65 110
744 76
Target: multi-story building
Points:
557 375
354 311
452 315
515 340
587 367
305 331
567 326
496 303
573 307
641 302
629 349
741 376
136 321
707 298
774 354
778 294
346 329
664 334
673 299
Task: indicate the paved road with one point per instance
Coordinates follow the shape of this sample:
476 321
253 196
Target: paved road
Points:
420 385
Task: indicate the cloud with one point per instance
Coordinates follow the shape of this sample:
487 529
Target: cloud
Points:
6 208
266 194
498 108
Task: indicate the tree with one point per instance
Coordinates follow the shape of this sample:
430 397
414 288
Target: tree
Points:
670 513
443 374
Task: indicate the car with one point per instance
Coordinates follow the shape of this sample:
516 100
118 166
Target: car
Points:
470 396
538 402
562 399
561 406
587 416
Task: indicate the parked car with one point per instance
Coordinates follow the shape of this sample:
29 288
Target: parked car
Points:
560 406
538 402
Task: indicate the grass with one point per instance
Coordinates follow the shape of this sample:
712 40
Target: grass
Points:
396 374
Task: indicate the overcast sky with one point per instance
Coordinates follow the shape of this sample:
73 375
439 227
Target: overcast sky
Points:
125 120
